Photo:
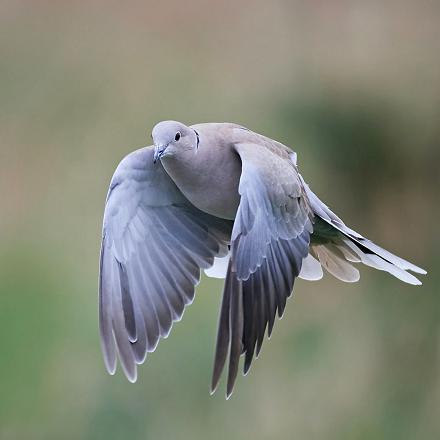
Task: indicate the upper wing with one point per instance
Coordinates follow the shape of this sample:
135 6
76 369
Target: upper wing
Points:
154 244
270 239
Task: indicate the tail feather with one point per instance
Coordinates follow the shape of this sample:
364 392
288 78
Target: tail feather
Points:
348 253
391 258
376 261
333 260
332 242
311 269
357 249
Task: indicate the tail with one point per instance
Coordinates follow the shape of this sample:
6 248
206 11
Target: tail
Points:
335 247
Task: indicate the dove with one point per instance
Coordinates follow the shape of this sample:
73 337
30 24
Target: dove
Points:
219 198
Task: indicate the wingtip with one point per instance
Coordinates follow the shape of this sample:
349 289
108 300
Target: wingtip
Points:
110 366
228 394
213 387
132 379
111 372
130 374
214 383
230 388
247 367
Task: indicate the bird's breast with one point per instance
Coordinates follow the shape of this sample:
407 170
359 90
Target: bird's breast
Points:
209 180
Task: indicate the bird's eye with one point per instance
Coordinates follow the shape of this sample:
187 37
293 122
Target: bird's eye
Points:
177 137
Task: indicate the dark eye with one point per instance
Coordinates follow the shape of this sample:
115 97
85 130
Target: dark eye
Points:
177 137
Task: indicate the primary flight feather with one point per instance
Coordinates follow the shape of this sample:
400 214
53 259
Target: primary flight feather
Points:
219 198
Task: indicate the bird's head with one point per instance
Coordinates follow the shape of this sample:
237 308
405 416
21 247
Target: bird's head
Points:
172 138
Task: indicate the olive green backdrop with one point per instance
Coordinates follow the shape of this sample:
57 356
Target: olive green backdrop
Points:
353 87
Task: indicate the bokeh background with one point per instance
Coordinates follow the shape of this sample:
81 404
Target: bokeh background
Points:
353 87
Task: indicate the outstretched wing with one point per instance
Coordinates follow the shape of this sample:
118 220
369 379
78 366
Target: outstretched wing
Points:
154 244
270 239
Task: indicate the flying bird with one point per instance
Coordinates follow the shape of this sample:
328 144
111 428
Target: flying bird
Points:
221 198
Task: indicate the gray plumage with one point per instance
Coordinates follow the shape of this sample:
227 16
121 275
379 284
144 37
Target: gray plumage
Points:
215 193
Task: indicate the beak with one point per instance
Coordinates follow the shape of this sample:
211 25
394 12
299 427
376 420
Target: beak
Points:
158 151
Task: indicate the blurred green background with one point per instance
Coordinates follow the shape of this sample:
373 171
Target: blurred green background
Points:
353 87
